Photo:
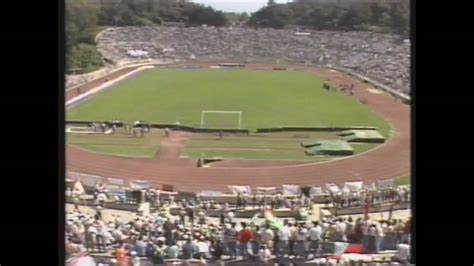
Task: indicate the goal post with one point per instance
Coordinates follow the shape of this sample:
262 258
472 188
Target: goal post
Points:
232 113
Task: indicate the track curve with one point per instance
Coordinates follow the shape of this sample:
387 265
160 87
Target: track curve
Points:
390 160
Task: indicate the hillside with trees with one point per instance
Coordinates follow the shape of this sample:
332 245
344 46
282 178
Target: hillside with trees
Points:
85 18
376 16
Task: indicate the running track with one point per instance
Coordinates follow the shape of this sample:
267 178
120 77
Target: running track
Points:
390 160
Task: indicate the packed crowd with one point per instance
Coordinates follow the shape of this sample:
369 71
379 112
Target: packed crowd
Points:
193 234
382 57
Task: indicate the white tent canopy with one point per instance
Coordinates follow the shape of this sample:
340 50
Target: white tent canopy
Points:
91 180
116 191
333 188
315 191
78 189
385 184
266 189
140 184
116 182
240 189
291 190
209 193
137 53
354 186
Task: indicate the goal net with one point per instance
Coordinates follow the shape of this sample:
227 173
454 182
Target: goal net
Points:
221 119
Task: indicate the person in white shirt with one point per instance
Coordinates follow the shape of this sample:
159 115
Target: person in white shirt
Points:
378 237
135 260
403 253
350 226
371 243
315 234
173 250
202 247
267 236
325 226
365 233
264 254
341 230
283 237
117 234
292 237
300 245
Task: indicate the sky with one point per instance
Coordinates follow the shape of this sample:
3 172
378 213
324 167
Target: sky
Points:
237 5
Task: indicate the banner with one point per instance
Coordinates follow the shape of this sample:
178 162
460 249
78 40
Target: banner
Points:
116 192
267 190
240 189
90 180
332 188
335 248
370 186
313 191
273 221
291 190
140 184
78 189
116 182
385 184
209 193
354 186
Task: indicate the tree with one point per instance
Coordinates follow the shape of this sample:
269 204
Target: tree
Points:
199 15
379 16
84 57
80 21
400 17
277 16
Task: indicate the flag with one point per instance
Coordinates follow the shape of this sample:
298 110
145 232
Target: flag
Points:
274 222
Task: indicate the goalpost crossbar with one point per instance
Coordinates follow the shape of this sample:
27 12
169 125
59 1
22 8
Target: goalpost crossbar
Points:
221 112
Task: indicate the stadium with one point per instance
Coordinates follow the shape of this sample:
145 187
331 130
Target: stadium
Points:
388 160
187 121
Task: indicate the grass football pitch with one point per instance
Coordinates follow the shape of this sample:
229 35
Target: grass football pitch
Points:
265 98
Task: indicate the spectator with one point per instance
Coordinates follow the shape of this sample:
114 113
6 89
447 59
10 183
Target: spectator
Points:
121 255
189 249
135 259
217 250
283 237
267 237
403 253
264 254
244 237
140 247
315 237
292 238
300 245
202 248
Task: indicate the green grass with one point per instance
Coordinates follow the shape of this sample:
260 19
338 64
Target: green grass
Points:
266 99
129 151
118 144
242 143
115 139
402 180
254 155
359 148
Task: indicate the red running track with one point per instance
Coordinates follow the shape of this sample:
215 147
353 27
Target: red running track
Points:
390 160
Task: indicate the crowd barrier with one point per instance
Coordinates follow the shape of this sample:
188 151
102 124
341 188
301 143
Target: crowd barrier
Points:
106 259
